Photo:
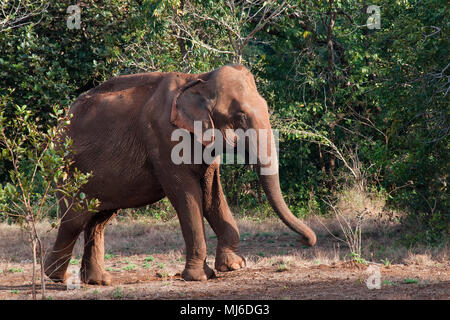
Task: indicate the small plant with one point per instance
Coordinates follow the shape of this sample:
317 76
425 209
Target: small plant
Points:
149 259
109 256
282 267
389 283
351 229
74 261
117 293
15 291
161 265
129 267
41 171
410 281
357 258
147 265
162 274
15 270
386 262
111 269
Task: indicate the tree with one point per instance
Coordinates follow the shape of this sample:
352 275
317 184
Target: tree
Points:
15 14
41 172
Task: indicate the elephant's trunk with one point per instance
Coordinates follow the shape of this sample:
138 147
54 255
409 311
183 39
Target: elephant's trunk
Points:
268 175
271 186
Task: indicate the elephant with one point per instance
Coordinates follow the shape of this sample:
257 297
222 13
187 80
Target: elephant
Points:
121 132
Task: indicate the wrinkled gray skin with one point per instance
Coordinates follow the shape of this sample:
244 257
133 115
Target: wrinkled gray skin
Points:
122 133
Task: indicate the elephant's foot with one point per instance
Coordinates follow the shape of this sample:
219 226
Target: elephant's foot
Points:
58 277
228 261
198 274
56 272
96 277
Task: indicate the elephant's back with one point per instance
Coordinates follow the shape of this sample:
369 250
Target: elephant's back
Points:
103 120
120 93
108 139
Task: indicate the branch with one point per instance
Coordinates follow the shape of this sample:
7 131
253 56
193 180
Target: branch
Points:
20 13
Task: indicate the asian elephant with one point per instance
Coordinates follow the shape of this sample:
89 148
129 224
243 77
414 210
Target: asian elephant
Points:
121 132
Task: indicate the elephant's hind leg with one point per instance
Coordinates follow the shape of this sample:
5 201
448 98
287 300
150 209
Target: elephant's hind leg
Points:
57 261
93 262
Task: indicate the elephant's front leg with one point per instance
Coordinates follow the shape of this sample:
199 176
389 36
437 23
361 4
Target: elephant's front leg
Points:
185 194
219 217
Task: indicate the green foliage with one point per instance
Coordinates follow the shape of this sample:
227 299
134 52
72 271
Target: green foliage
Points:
117 293
109 256
15 270
41 171
129 267
410 281
357 258
386 262
40 167
162 210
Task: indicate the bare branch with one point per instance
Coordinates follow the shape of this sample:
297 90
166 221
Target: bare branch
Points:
16 14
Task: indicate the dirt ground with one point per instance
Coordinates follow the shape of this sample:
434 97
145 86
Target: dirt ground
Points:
146 257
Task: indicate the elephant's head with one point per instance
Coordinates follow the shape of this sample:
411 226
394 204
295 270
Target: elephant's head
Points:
227 99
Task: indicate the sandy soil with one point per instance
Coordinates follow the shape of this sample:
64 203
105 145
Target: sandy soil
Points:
145 259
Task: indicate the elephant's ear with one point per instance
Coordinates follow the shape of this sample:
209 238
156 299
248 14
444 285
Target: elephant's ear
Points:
193 102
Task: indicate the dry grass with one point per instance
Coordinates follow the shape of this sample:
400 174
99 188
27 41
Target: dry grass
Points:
145 258
352 200
427 259
263 242
14 243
